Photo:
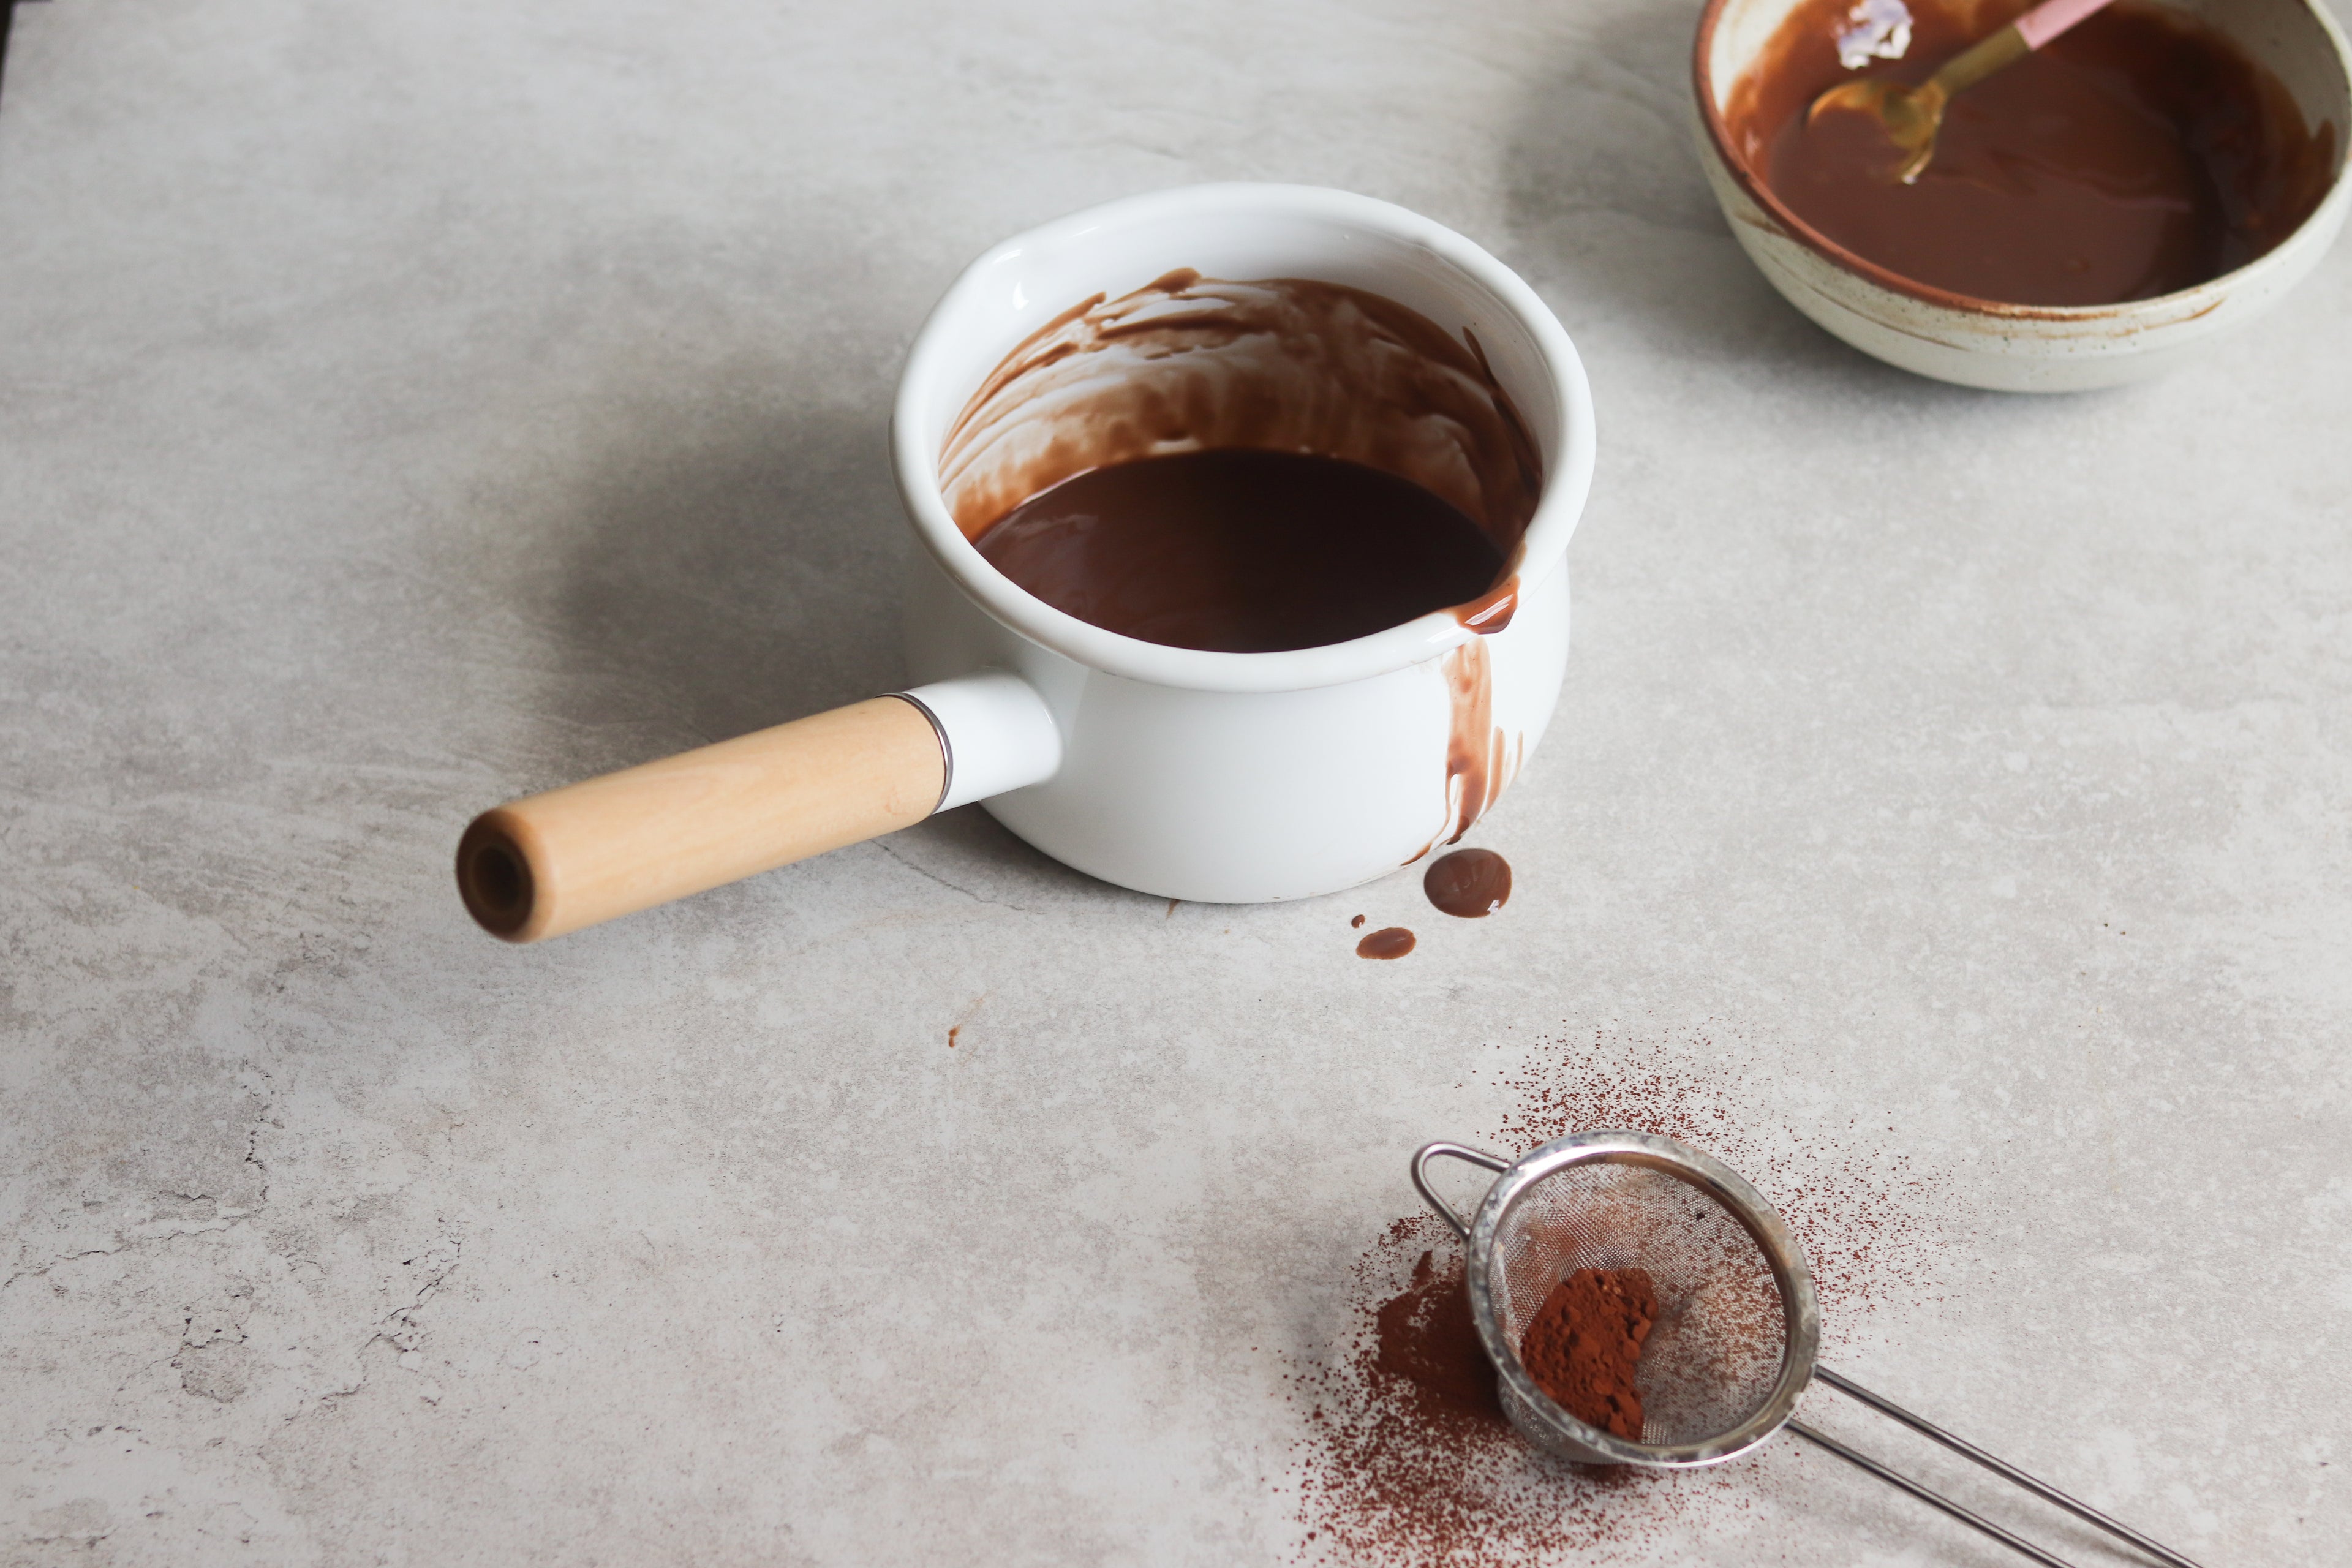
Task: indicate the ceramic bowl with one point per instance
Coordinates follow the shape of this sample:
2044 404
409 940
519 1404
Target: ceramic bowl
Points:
2022 348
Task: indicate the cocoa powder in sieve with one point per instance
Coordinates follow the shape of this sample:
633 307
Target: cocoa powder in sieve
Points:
1412 1463
1584 1341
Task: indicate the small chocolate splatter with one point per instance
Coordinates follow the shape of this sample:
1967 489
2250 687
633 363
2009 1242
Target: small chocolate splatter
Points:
1389 941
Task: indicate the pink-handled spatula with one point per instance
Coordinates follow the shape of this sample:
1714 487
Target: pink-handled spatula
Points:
1912 115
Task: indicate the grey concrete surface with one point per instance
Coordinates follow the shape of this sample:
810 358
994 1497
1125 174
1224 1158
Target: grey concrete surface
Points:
404 407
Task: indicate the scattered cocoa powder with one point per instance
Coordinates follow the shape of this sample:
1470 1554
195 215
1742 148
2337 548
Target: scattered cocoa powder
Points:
1427 1337
1866 1216
1410 1461
1405 1459
1585 1341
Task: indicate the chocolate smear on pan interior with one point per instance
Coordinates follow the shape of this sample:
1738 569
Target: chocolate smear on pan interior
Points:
1259 465
1188 363
1160 463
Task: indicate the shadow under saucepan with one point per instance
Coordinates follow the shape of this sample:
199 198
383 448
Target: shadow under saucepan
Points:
731 565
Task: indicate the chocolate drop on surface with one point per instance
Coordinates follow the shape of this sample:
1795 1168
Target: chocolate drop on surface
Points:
2140 153
1356 922
1389 941
1469 883
1242 551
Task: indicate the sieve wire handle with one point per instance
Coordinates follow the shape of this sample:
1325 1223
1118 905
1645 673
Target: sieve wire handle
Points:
1445 1210
2005 1471
2016 1543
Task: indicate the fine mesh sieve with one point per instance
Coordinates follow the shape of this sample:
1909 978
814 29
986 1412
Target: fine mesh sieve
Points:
1736 1331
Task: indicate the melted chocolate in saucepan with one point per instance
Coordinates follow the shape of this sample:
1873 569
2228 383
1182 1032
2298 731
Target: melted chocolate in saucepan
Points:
1242 550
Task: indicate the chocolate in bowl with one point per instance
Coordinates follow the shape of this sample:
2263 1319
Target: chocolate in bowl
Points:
2029 267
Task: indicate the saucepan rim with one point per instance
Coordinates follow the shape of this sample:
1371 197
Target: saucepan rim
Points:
932 359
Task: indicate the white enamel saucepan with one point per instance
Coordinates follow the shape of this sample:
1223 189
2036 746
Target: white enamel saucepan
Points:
1221 777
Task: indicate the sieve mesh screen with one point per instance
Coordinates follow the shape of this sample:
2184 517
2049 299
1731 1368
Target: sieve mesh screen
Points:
1713 1356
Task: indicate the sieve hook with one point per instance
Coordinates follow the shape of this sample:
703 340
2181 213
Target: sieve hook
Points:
1429 1152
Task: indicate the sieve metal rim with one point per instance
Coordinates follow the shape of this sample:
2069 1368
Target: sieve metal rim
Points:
1800 1313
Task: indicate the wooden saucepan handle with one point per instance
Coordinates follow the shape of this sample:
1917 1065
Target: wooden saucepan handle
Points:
552 863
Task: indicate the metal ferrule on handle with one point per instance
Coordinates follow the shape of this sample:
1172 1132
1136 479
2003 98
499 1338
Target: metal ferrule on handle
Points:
1977 61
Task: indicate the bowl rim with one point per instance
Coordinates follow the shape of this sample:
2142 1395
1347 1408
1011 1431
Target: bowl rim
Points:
1719 137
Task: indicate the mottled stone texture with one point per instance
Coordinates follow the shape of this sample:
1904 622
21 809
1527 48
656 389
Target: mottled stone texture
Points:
405 406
